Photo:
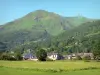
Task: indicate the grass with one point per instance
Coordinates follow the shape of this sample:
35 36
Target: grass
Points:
48 68
50 65
11 71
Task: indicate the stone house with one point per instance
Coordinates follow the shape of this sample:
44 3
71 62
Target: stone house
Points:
55 56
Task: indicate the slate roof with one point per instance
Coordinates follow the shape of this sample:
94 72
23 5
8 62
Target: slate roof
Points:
29 55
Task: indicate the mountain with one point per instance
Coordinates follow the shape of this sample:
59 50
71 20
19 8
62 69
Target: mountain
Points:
78 20
88 29
38 25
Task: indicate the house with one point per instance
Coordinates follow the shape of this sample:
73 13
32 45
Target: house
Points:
29 56
74 55
89 54
69 57
55 56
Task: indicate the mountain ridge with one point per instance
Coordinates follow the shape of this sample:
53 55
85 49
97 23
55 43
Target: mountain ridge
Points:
36 25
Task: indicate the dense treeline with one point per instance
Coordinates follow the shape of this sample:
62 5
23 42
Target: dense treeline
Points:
72 45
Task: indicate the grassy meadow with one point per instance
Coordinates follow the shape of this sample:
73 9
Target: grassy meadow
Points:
48 68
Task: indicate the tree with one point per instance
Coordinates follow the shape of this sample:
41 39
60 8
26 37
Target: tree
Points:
18 55
41 55
18 51
4 56
96 50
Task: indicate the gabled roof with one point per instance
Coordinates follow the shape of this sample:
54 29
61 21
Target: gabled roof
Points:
29 55
49 54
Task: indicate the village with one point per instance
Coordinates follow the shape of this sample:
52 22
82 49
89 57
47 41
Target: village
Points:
56 56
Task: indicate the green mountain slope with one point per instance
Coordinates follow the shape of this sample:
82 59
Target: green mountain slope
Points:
76 21
89 29
79 39
2 47
37 25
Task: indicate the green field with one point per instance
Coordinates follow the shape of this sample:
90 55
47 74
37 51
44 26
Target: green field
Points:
49 68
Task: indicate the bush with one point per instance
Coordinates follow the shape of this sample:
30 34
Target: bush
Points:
48 59
86 60
8 56
12 58
78 57
4 56
97 60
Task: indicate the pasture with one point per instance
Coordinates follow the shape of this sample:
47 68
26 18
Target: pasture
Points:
49 68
